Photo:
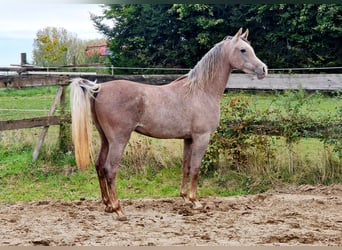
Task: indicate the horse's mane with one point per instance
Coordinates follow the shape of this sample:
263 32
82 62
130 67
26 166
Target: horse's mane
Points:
205 69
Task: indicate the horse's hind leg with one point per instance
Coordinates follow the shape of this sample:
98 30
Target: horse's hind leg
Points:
101 159
116 148
101 174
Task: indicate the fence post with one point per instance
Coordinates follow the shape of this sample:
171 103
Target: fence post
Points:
23 59
45 129
65 143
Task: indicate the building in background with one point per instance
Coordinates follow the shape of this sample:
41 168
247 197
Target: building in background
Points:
100 49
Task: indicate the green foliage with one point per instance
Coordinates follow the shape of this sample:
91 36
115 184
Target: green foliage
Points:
178 35
162 35
331 136
303 117
144 35
233 141
305 35
55 47
51 47
242 143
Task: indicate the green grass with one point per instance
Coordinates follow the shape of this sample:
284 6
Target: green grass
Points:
24 180
52 179
26 102
151 167
28 92
318 103
55 177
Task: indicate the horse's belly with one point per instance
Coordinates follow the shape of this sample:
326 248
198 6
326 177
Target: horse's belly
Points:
164 131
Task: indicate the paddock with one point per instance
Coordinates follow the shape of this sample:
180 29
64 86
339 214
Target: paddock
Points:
293 216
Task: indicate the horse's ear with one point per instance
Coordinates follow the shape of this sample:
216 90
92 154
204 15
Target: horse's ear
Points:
245 35
237 35
239 32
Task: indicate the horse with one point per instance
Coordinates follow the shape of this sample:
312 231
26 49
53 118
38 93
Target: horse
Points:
188 108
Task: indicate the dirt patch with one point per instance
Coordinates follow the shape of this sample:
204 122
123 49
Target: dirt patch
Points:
305 215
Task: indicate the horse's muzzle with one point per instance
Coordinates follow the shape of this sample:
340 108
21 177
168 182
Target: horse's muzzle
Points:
261 72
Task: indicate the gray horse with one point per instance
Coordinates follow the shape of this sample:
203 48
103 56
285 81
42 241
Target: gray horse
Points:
187 108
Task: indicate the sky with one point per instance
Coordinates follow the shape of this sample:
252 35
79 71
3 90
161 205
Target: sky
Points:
19 24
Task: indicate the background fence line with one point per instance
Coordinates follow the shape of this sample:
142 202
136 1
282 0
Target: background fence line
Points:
31 68
238 81
312 82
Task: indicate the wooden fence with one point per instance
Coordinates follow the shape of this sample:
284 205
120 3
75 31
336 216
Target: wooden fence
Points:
310 82
237 81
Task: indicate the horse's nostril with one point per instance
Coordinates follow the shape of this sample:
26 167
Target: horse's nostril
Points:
263 69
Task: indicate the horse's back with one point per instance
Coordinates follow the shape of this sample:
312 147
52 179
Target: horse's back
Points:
157 111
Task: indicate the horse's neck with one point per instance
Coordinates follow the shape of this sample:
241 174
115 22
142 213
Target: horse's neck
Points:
218 83
212 87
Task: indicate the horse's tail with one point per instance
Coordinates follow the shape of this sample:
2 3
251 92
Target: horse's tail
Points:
81 124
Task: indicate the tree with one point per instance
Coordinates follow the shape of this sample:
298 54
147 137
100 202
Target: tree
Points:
162 35
58 47
143 35
178 35
53 47
299 35
201 26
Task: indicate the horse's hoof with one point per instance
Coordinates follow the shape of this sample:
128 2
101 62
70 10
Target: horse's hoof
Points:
122 218
197 205
109 210
183 195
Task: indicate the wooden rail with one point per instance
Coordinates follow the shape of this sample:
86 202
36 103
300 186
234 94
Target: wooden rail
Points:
43 121
237 81
321 82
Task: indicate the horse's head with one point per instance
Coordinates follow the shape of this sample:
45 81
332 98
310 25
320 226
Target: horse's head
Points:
242 56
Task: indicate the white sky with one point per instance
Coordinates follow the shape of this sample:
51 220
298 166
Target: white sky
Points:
19 24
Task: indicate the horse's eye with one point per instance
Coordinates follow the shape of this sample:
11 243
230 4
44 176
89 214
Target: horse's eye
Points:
242 50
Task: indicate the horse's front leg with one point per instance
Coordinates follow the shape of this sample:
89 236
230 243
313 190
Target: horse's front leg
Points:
199 146
185 167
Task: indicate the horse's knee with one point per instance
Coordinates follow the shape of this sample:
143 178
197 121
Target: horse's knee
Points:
110 173
194 172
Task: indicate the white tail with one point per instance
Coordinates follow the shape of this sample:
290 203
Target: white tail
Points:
80 94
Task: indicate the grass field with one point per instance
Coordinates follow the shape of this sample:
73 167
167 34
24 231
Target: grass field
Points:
151 167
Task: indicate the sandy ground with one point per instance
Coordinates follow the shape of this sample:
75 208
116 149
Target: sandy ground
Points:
305 215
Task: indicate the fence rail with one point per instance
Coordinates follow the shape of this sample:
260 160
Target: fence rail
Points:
237 81
274 129
321 82
43 121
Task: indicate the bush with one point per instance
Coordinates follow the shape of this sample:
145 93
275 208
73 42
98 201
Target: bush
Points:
262 145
